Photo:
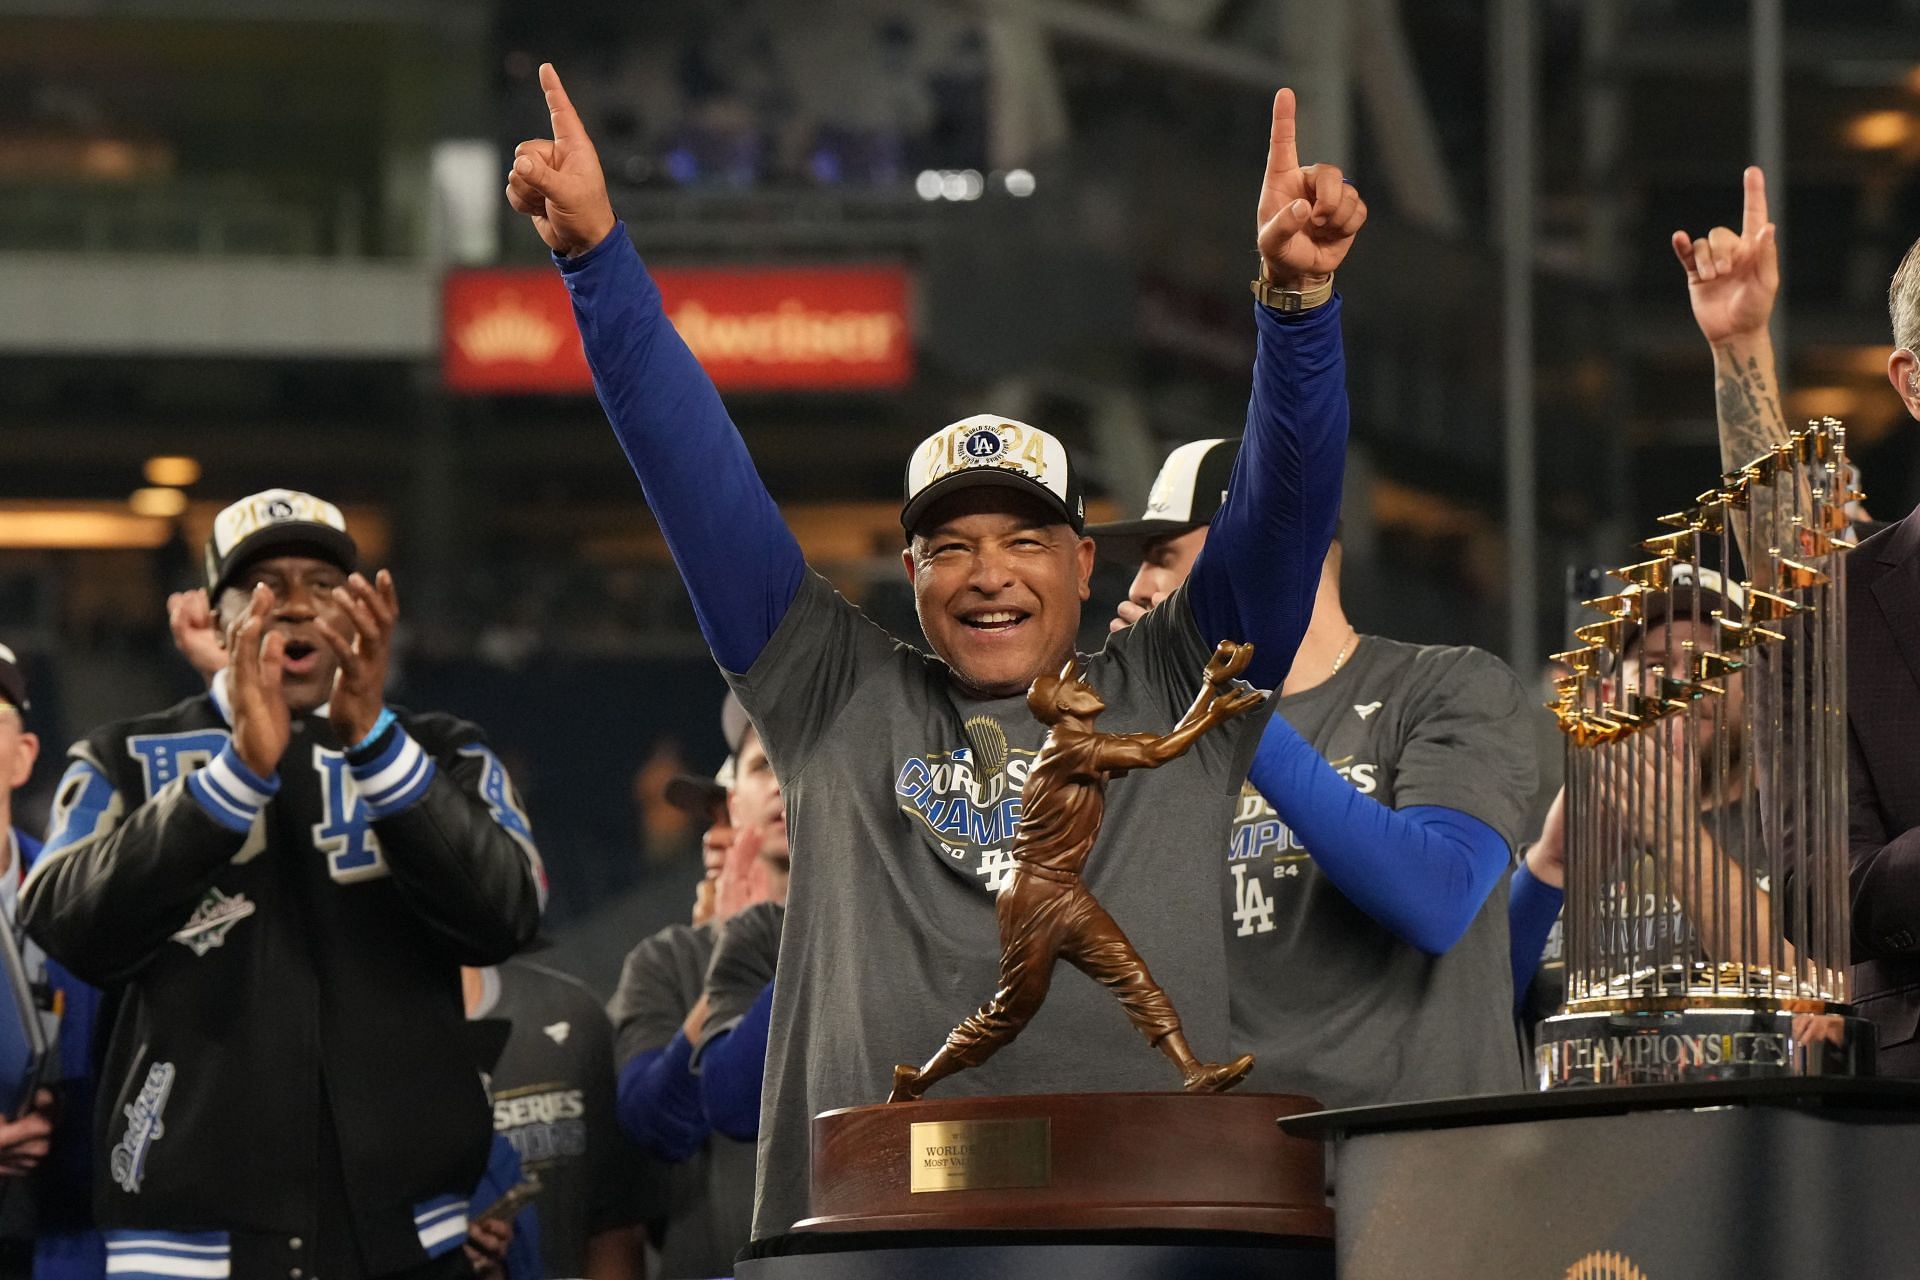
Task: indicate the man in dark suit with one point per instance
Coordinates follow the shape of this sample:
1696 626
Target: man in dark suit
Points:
1883 742
1883 739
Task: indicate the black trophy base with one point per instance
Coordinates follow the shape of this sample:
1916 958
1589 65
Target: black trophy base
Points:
1734 1180
1687 1045
1036 1255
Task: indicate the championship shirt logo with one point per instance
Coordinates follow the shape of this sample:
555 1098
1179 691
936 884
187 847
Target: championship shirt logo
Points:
967 801
212 920
128 1162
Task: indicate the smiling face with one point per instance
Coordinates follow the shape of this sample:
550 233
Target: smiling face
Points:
998 582
302 588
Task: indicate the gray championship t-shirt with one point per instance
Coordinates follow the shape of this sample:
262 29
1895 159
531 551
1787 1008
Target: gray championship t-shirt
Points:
1330 1002
743 964
553 1099
710 1197
902 796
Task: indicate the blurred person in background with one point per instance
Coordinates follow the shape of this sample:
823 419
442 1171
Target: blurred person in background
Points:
665 829
245 867
659 1011
1640 915
1362 892
859 726
45 1196
738 992
553 1098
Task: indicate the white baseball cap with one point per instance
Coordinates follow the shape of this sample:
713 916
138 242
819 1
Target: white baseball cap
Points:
987 449
275 519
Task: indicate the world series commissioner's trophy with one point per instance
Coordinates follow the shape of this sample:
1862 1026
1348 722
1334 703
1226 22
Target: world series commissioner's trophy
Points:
1197 1159
1706 929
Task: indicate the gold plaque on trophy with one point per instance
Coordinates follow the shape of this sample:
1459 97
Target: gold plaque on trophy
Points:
976 1155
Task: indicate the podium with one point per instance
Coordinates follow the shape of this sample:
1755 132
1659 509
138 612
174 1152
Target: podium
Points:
1116 1186
1724 1180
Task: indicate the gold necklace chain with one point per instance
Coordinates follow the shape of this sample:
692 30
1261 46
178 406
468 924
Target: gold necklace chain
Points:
1353 638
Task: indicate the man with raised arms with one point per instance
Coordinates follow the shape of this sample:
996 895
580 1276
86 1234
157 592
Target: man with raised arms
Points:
903 770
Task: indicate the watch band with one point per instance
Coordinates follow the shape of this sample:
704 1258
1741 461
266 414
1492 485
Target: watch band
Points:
1291 301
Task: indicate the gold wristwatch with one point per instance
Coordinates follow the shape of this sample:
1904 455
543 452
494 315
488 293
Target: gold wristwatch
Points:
1291 301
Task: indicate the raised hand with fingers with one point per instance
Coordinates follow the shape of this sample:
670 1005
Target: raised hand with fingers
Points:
1308 215
195 633
360 687
558 182
1732 278
257 655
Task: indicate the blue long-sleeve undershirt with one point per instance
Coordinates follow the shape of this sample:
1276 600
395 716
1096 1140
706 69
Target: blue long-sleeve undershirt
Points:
1255 581
1532 907
1422 872
658 1101
738 558
732 1065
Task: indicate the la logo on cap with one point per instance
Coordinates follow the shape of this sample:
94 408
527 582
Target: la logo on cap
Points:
983 444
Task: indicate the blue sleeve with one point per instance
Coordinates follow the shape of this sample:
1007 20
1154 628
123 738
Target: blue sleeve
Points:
1532 907
738 558
658 1102
1256 577
1422 872
732 1065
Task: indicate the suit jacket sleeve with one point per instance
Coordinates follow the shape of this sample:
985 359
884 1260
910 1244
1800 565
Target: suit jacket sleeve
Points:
1885 869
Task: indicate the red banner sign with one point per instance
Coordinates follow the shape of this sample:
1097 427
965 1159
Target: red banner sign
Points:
812 328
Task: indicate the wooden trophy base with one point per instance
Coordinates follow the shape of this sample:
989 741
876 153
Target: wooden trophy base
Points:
1095 1161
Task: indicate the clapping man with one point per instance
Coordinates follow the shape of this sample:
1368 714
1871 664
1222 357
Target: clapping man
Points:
283 877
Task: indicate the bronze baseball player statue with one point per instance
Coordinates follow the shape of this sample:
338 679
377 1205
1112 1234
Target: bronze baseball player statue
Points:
1045 910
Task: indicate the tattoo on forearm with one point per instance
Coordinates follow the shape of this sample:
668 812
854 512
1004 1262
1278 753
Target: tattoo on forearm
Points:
1750 419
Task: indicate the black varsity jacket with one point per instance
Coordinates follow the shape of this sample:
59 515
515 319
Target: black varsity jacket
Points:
288 952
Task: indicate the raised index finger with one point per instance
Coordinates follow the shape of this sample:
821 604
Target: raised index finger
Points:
1753 213
566 121
1283 156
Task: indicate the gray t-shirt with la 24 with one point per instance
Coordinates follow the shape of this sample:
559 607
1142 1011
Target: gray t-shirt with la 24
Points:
902 796
1331 1003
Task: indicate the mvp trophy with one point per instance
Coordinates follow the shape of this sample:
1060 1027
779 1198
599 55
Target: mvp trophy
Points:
1706 925
1199 1179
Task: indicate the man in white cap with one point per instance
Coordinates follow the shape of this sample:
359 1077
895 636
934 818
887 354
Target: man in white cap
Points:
283 877
902 771
1362 891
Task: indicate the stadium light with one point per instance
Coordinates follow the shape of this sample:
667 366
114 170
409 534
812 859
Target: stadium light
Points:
172 471
158 502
